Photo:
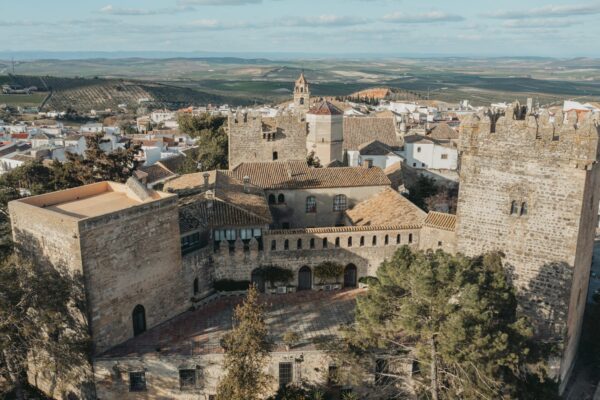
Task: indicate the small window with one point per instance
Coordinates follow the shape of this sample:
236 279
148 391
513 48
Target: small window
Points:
524 208
273 245
386 240
312 243
350 241
311 204
281 198
339 203
362 241
418 149
337 242
299 244
514 208
410 238
275 156
196 286
139 320
444 156
187 378
285 374
301 101
439 244
137 381
332 375
212 397
324 243
286 244
398 239
374 241
368 163
414 164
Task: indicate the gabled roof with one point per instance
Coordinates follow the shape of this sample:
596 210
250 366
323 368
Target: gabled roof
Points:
361 130
388 207
440 220
157 172
443 131
231 203
375 148
301 79
298 175
21 135
325 108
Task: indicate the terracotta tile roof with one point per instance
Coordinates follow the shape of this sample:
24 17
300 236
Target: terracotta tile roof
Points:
443 131
440 220
232 205
344 229
157 172
394 174
173 163
20 135
374 148
388 207
298 175
361 130
325 108
417 139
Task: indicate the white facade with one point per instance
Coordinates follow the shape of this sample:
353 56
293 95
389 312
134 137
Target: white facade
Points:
162 115
430 155
355 159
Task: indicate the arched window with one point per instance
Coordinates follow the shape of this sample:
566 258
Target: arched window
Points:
337 242
514 208
312 243
350 241
286 245
311 204
138 317
339 203
196 286
324 243
272 199
523 208
374 240
386 240
410 238
299 244
301 101
275 156
281 198
273 245
362 241
398 239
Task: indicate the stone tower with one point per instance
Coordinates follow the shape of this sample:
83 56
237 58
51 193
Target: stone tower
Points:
301 93
529 187
325 132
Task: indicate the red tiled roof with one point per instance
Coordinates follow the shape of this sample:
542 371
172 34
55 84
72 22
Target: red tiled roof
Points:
325 108
21 135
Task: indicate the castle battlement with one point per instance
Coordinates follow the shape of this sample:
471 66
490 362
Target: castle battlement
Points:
569 137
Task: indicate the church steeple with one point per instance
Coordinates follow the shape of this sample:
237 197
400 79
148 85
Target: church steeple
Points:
301 93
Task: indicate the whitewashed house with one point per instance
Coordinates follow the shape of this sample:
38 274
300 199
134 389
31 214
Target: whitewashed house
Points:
373 154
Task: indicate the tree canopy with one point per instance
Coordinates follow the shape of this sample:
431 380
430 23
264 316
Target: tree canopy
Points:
451 322
211 139
247 348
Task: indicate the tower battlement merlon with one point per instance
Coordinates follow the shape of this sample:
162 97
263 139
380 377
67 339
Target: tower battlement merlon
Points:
243 118
568 137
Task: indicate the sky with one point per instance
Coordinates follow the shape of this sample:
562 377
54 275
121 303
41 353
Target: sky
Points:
323 27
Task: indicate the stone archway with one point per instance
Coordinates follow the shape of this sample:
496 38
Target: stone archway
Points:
304 278
350 276
257 279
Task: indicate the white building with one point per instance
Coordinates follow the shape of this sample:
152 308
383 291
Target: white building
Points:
373 154
162 116
91 127
425 152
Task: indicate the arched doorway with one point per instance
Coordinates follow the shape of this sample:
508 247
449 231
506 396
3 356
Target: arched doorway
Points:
350 276
258 280
305 278
139 320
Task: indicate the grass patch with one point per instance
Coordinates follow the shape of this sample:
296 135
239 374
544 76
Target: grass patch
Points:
25 100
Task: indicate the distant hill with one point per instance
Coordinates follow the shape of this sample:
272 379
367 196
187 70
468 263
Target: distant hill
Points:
381 93
84 94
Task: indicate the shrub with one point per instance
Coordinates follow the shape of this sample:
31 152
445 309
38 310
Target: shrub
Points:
290 338
229 285
274 274
368 280
328 271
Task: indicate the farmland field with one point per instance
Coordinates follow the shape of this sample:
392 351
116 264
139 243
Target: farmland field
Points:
24 100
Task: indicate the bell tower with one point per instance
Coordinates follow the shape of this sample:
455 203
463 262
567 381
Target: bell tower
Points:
301 93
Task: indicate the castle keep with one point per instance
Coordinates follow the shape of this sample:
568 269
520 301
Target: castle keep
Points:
529 187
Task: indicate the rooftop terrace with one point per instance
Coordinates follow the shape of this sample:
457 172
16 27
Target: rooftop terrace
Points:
313 315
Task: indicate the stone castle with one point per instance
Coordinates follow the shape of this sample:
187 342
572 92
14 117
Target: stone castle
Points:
150 260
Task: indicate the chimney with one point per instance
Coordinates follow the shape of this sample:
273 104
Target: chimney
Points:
210 196
206 176
246 183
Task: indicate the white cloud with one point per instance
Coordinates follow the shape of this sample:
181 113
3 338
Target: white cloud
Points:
218 2
323 21
558 11
422 18
110 9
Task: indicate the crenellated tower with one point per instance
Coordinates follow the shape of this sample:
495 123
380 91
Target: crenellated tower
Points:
529 187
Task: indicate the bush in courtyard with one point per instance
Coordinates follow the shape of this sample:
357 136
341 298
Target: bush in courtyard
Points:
328 271
274 274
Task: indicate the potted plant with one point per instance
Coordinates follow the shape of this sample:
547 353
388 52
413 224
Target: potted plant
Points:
328 274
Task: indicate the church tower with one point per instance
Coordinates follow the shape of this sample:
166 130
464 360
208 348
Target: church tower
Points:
301 94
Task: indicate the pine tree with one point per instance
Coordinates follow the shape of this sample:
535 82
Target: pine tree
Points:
246 351
452 318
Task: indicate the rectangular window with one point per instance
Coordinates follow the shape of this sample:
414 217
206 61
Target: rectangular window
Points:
368 163
339 203
444 156
245 234
137 381
230 234
418 149
332 375
257 232
285 373
187 378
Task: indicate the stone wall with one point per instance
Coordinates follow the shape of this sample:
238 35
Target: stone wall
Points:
249 143
132 257
547 167
437 239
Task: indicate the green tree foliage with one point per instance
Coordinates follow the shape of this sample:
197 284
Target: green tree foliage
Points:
41 318
421 190
211 139
329 271
455 319
246 350
313 161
